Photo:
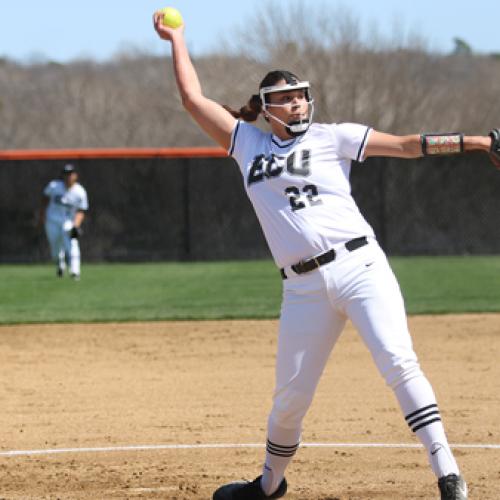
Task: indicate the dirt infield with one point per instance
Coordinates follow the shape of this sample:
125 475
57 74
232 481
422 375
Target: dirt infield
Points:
181 383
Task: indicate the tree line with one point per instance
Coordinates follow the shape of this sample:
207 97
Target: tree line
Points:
398 85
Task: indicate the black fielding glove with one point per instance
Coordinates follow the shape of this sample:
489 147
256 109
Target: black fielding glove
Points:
495 147
75 232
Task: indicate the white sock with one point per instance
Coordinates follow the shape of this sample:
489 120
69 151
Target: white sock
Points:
419 406
281 447
61 260
75 257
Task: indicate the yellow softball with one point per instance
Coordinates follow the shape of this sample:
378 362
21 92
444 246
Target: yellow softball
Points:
171 17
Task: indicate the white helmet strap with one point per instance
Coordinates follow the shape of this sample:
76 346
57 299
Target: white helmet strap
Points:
295 128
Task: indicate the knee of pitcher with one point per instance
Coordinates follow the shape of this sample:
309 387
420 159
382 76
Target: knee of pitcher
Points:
401 373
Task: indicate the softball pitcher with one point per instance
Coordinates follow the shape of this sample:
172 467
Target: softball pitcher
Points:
297 178
63 209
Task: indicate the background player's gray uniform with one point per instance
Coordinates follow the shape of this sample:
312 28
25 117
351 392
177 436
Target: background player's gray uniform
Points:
63 205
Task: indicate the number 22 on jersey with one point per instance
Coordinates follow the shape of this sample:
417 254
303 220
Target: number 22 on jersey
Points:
268 167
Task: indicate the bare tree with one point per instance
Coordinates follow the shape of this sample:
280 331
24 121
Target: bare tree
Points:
393 83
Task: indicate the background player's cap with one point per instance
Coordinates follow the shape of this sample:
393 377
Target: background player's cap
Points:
68 169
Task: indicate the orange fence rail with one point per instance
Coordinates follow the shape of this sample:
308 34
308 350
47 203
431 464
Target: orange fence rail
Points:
61 154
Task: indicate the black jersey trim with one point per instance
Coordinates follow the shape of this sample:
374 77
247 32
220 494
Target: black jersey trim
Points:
233 141
361 147
283 146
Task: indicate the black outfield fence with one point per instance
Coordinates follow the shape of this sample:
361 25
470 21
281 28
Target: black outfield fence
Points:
195 208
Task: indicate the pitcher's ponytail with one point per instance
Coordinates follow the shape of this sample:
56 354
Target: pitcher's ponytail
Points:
250 111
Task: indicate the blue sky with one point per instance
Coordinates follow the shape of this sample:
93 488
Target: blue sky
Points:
63 30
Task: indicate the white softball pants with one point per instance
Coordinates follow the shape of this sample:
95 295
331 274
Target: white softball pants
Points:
63 248
358 285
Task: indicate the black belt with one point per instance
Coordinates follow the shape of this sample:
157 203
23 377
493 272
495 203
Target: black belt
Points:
304 266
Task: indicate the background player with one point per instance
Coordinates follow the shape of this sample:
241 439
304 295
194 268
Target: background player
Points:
62 212
297 178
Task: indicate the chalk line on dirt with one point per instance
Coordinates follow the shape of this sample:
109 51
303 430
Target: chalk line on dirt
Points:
154 447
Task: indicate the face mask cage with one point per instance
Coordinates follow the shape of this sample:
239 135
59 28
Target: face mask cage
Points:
295 128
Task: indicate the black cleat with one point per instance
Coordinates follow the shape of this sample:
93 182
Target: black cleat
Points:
452 487
247 491
60 272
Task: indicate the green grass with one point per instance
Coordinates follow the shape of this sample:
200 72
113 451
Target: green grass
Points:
222 290
441 285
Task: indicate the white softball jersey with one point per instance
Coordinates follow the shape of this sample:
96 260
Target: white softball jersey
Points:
300 188
64 203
